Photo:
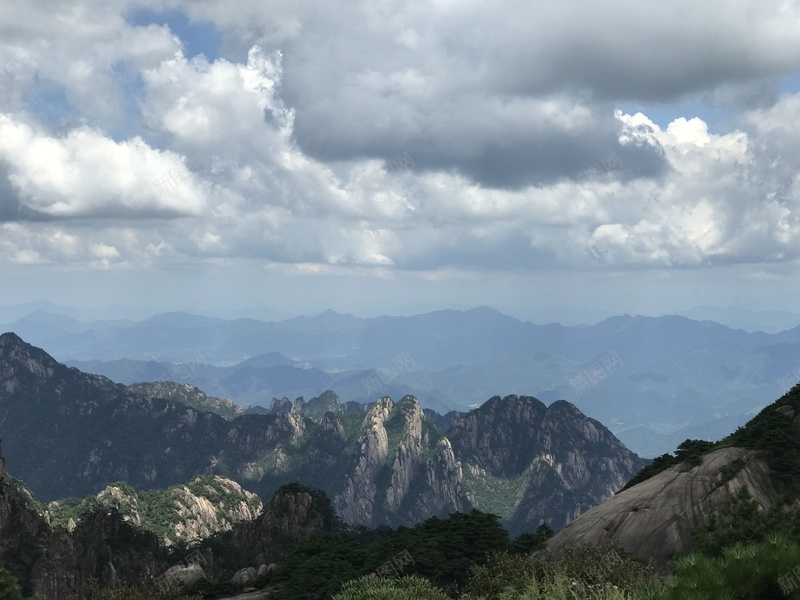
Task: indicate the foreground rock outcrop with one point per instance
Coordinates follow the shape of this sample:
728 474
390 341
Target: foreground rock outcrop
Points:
103 549
654 518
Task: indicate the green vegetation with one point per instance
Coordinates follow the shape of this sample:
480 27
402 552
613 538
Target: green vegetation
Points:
371 587
494 494
772 432
9 587
602 573
439 550
316 408
396 423
741 520
753 572
23 495
775 435
188 395
744 552
157 510
138 593
353 424
758 571
689 454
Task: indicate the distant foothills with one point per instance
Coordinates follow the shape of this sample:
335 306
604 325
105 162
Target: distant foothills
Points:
160 483
653 382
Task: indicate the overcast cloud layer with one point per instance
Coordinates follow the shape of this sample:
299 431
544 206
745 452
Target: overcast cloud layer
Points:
386 140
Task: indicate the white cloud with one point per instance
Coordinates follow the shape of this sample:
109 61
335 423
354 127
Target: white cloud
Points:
87 174
285 158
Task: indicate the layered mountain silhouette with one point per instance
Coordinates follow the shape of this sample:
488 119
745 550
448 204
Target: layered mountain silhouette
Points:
653 381
71 434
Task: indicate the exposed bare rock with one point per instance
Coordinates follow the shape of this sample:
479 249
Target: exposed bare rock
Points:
386 464
443 489
355 503
184 574
558 461
654 519
123 498
293 512
197 510
211 507
244 577
417 479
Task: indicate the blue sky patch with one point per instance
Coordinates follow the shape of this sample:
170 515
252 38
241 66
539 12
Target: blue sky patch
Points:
198 37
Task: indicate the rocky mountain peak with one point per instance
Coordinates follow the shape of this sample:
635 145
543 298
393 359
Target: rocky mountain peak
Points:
501 435
295 511
410 411
381 463
655 517
23 362
379 412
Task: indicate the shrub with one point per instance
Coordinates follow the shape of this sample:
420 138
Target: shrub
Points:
409 587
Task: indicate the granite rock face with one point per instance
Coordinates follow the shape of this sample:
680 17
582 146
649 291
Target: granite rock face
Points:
654 518
560 462
103 549
387 464
402 471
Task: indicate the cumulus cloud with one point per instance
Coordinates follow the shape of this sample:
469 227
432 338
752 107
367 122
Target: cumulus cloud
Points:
508 95
430 137
88 174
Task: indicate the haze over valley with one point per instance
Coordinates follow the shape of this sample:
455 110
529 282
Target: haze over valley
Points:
654 381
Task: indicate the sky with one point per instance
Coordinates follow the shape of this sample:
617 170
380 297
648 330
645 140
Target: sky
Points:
393 157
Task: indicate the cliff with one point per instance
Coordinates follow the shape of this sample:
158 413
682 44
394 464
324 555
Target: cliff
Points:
180 514
385 463
401 471
56 565
533 463
655 518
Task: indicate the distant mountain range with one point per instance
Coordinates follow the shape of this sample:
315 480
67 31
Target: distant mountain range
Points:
653 381
70 434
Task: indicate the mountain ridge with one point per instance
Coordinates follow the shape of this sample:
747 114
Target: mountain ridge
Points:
388 463
673 373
